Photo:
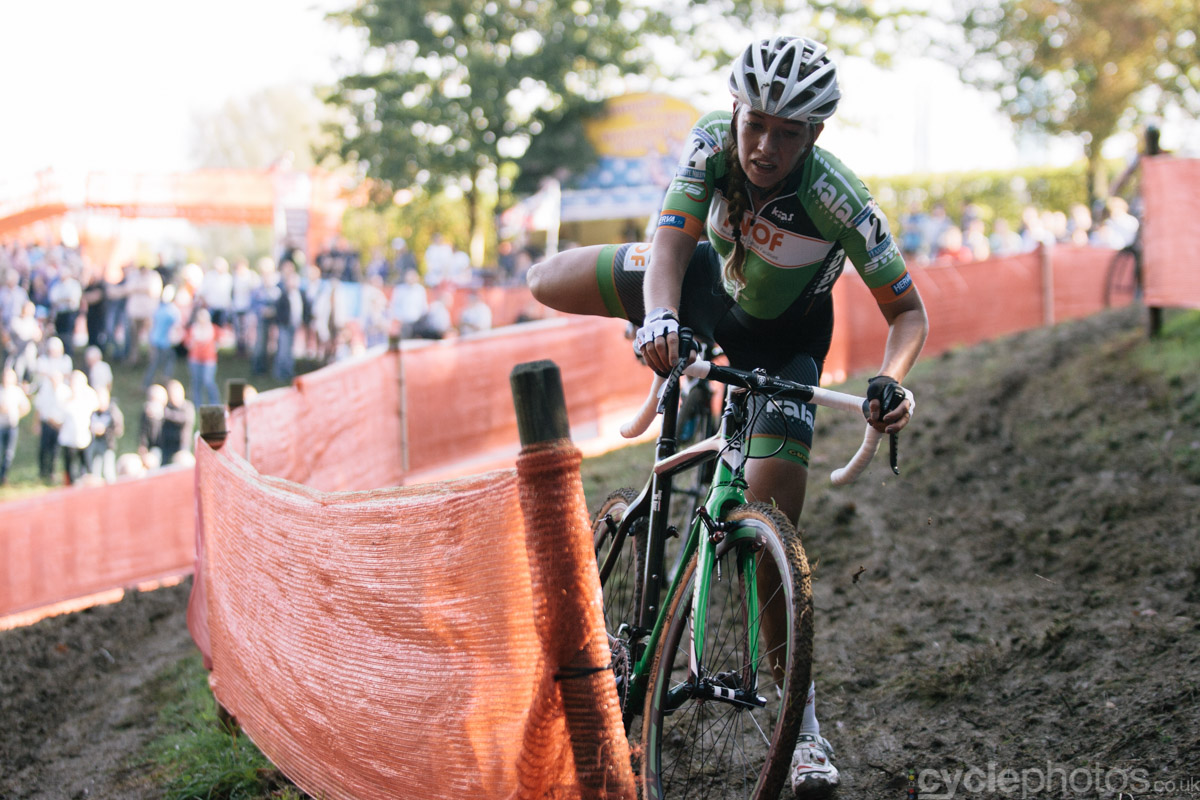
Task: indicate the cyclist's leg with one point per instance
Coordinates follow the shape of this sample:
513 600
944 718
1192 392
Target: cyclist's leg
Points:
567 282
785 433
606 280
779 481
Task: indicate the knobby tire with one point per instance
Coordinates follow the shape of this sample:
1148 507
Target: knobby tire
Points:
622 587
1122 282
712 749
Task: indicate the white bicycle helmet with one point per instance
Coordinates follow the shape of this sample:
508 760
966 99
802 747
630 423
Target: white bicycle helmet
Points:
789 77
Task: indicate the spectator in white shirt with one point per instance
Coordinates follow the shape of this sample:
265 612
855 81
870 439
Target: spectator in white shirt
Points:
75 434
48 405
439 261
476 317
53 360
14 405
217 291
100 374
245 282
409 302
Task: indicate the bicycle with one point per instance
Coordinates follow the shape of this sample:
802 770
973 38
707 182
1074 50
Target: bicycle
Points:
1123 283
718 672
698 419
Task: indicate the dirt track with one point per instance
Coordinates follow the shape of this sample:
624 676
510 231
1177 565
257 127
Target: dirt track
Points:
1025 620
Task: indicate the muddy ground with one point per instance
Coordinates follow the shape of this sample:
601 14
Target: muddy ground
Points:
1017 615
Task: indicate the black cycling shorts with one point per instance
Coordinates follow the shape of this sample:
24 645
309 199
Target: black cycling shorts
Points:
792 346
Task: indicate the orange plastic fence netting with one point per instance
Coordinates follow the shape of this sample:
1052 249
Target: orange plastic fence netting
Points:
333 429
341 427
1171 193
403 642
456 392
77 542
971 303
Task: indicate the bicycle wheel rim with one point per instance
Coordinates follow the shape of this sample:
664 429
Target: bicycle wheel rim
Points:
712 749
1121 286
621 587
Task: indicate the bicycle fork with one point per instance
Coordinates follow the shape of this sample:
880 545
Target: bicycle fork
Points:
736 687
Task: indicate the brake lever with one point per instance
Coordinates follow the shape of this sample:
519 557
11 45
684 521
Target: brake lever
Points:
893 456
686 343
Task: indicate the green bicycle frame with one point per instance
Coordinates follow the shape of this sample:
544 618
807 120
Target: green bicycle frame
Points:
727 491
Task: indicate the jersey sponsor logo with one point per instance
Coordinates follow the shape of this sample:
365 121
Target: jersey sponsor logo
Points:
830 271
781 215
837 203
901 286
672 221
873 266
797 412
689 174
778 247
695 191
762 233
637 257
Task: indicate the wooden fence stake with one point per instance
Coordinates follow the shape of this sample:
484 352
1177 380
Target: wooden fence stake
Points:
212 426
541 407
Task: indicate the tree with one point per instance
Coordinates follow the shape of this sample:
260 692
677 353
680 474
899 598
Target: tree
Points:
1085 67
256 131
452 88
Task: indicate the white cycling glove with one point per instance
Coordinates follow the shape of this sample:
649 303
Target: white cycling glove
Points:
659 322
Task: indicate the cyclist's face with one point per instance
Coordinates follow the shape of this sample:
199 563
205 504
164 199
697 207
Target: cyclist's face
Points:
769 148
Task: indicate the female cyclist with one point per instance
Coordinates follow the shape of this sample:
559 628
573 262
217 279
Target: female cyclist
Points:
779 216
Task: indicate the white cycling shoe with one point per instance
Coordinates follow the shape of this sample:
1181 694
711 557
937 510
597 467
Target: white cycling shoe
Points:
813 773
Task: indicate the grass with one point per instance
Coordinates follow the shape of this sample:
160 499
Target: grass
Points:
197 755
23 479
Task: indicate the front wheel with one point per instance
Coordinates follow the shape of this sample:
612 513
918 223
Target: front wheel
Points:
729 731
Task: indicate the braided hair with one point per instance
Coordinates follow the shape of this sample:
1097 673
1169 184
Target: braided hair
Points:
737 195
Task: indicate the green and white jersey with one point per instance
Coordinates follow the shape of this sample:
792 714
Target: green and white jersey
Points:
798 241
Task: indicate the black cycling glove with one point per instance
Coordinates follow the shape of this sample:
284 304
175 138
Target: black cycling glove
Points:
887 391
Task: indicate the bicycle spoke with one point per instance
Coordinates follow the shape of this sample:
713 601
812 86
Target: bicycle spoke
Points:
724 742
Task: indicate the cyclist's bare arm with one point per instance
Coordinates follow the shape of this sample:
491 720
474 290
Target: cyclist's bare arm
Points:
670 251
908 325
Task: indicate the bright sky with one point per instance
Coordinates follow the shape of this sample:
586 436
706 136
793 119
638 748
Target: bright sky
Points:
115 85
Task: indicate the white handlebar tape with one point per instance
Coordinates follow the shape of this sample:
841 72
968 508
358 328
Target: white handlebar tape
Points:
860 460
646 414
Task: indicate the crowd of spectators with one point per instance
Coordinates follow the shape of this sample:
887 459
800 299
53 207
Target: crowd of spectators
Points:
932 238
64 322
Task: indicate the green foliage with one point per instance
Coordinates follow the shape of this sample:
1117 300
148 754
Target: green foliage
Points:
450 91
457 88
997 193
564 142
455 91
375 226
715 31
1088 67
